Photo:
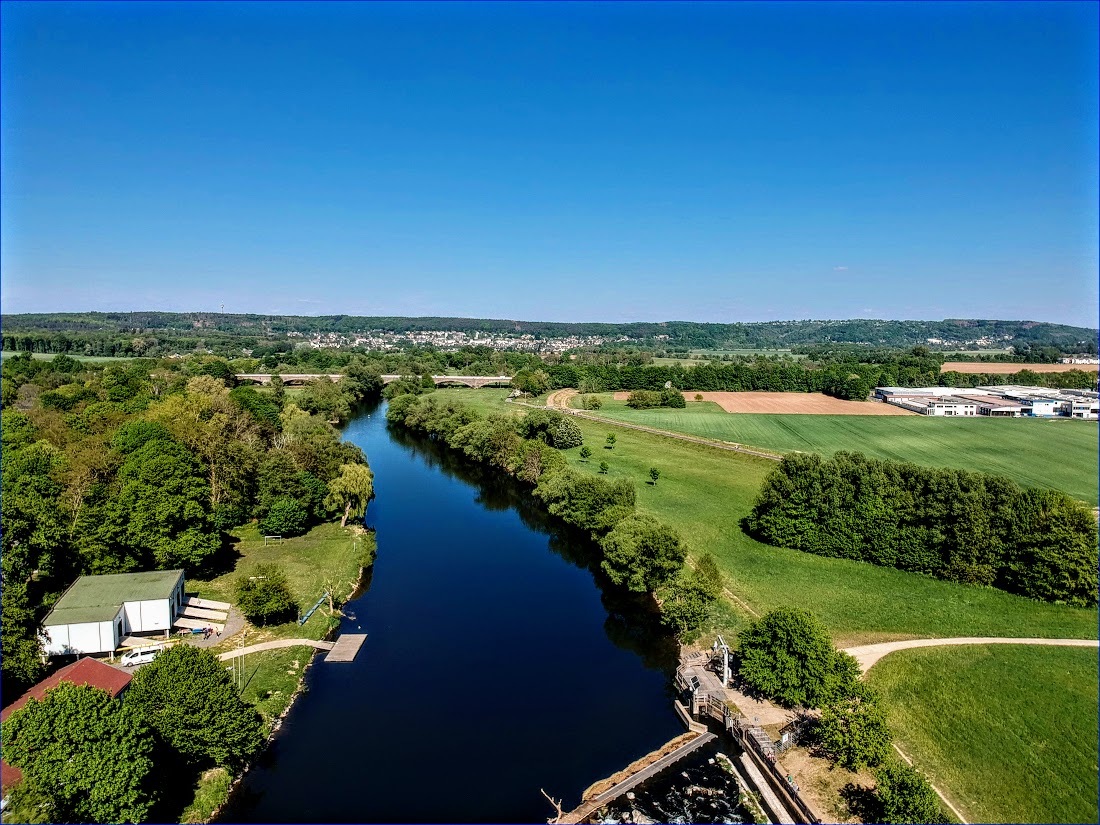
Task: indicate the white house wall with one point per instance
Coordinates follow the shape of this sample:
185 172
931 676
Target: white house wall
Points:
154 614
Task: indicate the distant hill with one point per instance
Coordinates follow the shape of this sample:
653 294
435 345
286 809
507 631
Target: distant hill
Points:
945 334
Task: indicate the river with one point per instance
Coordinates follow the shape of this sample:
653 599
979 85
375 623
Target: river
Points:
494 665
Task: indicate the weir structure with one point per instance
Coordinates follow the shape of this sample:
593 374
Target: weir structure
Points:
707 715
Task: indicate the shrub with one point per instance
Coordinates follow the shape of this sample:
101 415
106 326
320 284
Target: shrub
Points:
287 517
905 796
853 730
266 597
565 434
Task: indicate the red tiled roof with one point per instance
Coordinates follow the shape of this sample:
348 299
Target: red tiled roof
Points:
86 671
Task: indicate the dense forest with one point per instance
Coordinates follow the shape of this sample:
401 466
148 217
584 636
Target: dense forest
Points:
143 465
956 525
157 333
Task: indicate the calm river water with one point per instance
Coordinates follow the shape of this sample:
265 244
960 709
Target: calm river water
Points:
494 664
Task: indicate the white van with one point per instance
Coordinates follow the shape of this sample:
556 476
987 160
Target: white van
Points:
141 655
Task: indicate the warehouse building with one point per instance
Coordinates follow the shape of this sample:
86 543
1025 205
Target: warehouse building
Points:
97 612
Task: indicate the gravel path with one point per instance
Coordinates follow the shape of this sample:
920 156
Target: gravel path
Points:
867 655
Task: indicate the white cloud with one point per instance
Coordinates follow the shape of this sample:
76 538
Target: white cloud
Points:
840 269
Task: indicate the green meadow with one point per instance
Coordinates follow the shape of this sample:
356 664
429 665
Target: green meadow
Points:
1010 730
1057 453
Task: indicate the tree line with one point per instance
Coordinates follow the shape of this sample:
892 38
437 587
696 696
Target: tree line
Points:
143 466
670 334
961 526
638 552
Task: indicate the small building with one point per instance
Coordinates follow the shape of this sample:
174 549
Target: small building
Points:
97 612
91 672
951 405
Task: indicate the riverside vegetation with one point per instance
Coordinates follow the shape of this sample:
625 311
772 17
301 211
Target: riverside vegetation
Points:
704 493
152 465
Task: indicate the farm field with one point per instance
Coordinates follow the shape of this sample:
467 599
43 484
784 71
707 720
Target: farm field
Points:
788 403
1029 757
703 493
1057 453
1008 369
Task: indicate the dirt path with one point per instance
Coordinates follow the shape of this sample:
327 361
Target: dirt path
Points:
273 645
867 655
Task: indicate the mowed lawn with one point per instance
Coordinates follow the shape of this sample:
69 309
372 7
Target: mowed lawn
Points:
1010 730
1057 453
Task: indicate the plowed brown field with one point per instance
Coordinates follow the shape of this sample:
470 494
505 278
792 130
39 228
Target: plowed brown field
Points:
806 403
1006 369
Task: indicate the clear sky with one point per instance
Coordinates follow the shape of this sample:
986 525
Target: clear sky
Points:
615 162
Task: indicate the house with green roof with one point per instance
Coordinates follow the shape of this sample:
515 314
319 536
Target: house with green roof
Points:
97 612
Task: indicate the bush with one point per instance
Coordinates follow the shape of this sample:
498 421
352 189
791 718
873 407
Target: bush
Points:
853 730
905 796
287 517
788 656
591 402
643 399
266 597
565 434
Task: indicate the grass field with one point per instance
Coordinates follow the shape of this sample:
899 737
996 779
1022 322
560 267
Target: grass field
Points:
1061 454
1023 750
327 554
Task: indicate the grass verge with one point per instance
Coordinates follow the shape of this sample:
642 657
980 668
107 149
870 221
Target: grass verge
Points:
1008 732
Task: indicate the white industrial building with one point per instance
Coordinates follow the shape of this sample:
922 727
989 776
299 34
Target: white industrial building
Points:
97 612
996 401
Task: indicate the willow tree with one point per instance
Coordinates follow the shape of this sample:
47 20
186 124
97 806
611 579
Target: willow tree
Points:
352 489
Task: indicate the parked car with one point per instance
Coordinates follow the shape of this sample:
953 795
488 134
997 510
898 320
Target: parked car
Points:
141 655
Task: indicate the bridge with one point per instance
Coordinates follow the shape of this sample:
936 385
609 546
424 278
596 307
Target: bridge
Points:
301 379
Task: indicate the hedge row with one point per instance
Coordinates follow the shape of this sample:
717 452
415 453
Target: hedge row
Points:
952 524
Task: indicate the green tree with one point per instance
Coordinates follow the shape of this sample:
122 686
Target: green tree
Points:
686 601
604 467
788 656
20 649
654 474
532 382
278 390
586 453
565 434
265 596
611 441
641 553
853 730
905 796
189 699
287 517
85 756
163 506
351 490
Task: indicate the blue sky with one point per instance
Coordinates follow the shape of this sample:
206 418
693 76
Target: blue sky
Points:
616 162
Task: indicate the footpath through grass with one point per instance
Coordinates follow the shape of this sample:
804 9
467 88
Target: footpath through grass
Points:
1057 453
1009 730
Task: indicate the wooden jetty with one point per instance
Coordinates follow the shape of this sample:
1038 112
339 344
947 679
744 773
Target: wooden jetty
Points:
346 647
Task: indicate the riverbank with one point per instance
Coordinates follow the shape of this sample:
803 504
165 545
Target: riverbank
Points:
327 558
704 492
